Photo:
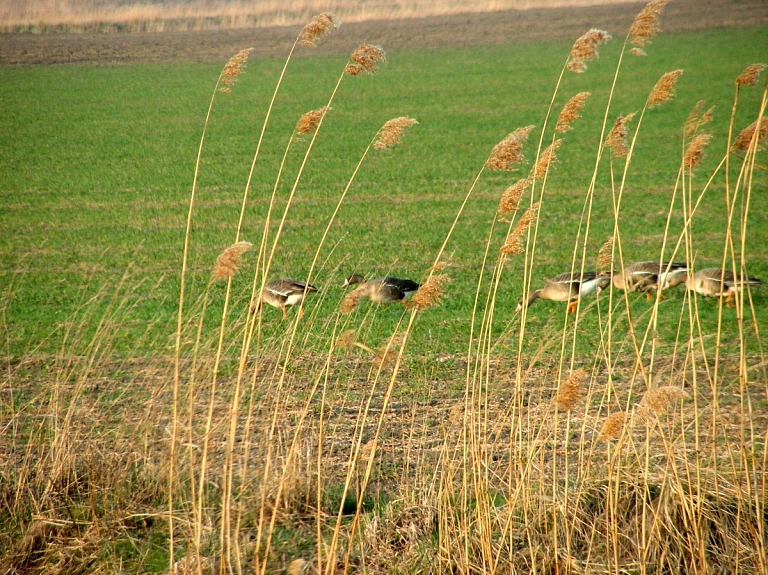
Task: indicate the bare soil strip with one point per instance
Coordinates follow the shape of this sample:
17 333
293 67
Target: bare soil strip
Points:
458 30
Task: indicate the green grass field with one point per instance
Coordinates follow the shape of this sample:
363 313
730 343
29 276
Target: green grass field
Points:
98 162
96 169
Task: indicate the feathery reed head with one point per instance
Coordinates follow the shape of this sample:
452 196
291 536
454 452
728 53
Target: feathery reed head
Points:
750 75
233 69
637 51
696 119
570 390
345 339
308 123
695 150
514 242
364 60
585 48
570 112
509 151
547 159
510 199
605 256
351 301
658 399
228 261
617 137
745 137
664 89
646 23
613 426
391 132
316 28
431 292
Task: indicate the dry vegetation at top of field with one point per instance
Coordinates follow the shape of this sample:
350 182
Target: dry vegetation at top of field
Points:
471 29
153 16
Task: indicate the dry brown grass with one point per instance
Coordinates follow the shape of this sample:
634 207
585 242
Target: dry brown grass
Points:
233 14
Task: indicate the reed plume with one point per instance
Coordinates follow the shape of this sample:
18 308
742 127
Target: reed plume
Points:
613 426
316 28
365 59
585 49
431 292
346 339
745 136
233 68
509 151
514 242
351 301
750 75
605 256
229 260
695 150
617 137
570 112
547 159
646 23
392 132
664 89
308 123
658 399
570 390
637 51
696 119
510 199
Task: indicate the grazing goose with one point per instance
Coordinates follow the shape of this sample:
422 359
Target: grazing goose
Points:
714 282
648 276
281 293
383 290
570 287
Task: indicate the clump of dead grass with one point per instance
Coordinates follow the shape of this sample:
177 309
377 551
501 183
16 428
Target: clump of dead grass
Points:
617 136
431 292
745 137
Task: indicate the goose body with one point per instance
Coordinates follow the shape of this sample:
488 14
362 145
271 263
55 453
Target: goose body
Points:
648 276
383 290
284 292
567 287
714 282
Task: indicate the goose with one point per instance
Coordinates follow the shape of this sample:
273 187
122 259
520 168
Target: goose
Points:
714 282
383 290
646 276
567 287
284 292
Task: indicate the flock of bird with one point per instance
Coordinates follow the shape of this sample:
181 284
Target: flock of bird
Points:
570 287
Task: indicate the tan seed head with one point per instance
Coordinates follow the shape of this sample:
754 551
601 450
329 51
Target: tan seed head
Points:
509 151
570 112
585 48
617 137
570 390
233 68
431 292
750 75
605 256
364 60
664 89
514 243
229 260
695 150
646 23
547 159
745 137
391 132
309 122
613 426
510 199
316 28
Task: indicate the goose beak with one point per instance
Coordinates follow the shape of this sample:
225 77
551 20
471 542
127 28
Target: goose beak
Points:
346 283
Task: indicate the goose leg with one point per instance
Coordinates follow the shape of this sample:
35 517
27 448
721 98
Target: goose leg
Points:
729 299
285 315
572 306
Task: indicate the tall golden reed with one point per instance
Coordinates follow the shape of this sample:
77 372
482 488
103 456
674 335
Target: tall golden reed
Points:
233 69
509 151
569 392
750 75
605 256
229 260
747 134
585 49
570 112
392 132
646 23
664 89
430 293
695 150
617 136
514 242
510 199
316 28
364 60
546 160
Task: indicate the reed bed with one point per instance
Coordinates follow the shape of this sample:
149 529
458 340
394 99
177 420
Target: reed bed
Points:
255 450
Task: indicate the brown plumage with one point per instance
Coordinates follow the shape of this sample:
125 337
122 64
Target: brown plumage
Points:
646 276
567 287
714 282
382 290
284 292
